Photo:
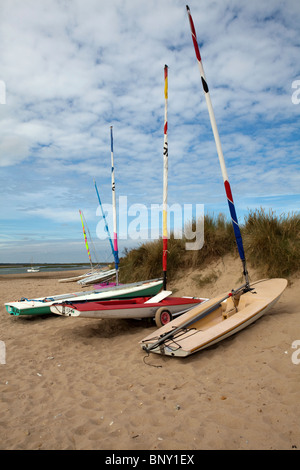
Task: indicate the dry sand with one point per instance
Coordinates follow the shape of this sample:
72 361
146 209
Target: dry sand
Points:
72 383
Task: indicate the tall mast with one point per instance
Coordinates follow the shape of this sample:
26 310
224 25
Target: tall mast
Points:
85 238
105 222
228 192
165 183
116 255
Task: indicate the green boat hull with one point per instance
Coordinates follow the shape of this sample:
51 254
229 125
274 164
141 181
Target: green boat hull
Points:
45 310
44 307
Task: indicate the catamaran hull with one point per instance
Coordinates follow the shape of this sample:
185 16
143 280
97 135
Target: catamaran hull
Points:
41 306
74 278
97 277
216 326
91 277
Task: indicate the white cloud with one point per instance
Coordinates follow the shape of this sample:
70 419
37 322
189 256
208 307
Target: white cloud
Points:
72 69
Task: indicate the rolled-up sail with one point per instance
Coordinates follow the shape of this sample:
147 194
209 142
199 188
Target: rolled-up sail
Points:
85 238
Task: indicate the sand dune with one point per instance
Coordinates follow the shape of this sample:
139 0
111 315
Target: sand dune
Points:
73 383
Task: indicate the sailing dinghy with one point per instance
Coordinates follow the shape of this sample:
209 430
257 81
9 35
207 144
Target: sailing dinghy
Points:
41 306
161 307
226 314
215 320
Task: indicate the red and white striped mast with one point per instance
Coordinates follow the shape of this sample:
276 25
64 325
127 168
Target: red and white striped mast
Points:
234 220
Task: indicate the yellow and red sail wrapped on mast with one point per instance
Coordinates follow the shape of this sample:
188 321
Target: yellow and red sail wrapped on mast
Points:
85 238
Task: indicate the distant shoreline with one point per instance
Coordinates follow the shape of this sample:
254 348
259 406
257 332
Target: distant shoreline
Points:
58 274
21 268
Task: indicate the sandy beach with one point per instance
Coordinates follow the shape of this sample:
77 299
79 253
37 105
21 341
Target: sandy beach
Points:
73 383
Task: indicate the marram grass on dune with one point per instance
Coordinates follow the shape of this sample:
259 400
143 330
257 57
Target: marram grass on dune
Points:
272 246
272 243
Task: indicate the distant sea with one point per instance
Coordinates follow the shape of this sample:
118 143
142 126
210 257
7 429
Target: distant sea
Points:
22 268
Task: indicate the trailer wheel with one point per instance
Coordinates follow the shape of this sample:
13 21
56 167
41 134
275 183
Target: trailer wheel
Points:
162 317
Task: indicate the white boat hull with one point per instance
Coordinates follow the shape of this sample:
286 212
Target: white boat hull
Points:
90 277
95 277
145 310
209 329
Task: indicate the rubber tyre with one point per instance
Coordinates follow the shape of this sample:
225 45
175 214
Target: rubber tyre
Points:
162 317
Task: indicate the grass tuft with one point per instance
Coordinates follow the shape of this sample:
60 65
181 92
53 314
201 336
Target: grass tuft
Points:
271 243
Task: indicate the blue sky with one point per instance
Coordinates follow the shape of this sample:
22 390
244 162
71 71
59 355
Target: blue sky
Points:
72 69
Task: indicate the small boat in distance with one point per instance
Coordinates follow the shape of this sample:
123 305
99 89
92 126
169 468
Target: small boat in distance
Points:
33 270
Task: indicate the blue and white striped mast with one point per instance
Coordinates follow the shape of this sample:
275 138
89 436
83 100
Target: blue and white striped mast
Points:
104 218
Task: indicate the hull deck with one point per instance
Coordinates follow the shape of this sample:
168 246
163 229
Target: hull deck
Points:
206 328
